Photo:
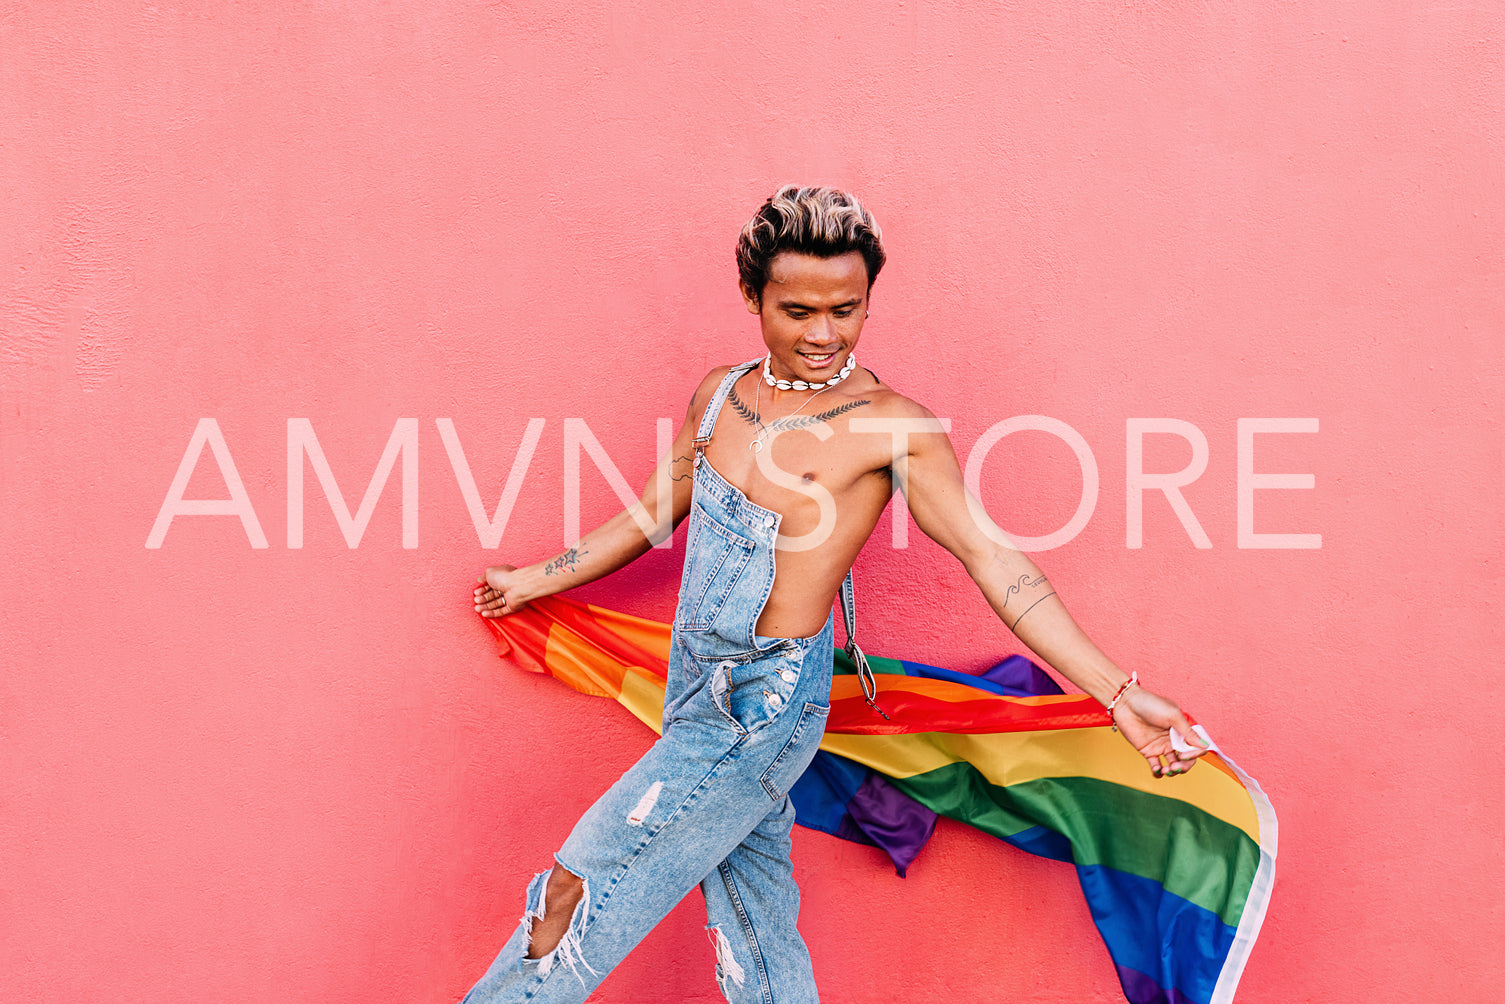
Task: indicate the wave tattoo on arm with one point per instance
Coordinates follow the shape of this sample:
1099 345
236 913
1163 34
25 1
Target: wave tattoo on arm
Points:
1024 582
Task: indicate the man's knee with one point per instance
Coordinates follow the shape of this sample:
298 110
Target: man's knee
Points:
550 920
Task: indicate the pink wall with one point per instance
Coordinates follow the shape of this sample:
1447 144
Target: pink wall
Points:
300 775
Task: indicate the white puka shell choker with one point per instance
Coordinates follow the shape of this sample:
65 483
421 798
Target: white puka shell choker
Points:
768 378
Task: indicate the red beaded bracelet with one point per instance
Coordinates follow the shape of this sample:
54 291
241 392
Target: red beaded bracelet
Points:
1131 681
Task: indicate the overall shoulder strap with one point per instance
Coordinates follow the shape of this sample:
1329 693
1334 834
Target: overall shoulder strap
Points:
849 610
864 671
708 420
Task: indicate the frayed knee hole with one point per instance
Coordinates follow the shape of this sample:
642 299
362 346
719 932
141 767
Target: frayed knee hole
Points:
550 918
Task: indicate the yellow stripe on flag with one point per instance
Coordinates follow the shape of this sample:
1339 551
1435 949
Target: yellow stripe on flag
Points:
1016 757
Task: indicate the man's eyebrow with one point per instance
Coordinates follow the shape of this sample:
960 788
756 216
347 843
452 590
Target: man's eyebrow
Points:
796 305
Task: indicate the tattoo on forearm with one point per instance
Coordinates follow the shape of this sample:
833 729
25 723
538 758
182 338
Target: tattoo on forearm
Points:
1031 607
687 475
1026 582
566 562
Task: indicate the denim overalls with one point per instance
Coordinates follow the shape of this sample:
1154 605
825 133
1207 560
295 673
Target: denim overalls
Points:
708 803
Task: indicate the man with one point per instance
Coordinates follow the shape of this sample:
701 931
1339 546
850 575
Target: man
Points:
793 475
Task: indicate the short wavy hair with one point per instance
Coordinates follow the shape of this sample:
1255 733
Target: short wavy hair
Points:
824 222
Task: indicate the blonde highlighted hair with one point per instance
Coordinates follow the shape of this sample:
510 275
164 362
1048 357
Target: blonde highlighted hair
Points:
824 222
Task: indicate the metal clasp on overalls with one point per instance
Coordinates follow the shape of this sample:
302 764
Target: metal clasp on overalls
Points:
866 678
848 594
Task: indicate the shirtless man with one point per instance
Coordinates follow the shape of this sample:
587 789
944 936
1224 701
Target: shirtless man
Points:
793 456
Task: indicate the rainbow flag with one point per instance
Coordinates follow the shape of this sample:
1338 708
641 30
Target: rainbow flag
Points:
1177 872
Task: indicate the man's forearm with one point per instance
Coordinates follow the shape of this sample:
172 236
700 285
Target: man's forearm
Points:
613 544
1028 605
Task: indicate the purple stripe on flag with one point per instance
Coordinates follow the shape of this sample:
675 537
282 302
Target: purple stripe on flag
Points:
847 829
1015 676
1017 673
1141 989
891 819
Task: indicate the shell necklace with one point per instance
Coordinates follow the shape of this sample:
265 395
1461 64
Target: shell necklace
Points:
756 446
768 377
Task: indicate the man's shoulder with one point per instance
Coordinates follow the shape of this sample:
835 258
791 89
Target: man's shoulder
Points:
710 382
706 389
886 402
718 373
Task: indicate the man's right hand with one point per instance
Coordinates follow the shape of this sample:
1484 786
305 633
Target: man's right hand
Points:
492 595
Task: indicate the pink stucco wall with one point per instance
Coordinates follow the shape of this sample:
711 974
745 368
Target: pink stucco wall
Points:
300 774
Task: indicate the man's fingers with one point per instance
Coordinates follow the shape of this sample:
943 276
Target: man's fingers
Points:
1186 747
1156 767
489 602
1185 741
1169 766
1173 764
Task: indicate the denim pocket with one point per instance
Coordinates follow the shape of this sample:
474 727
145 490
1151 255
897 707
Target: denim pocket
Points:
797 752
751 693
715 558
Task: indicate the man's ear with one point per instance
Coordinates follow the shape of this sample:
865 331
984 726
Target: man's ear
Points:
754 301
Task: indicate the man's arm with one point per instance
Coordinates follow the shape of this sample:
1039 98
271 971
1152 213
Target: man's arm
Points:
1027 602
628 535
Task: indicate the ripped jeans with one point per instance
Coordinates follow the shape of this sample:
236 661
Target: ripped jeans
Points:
706 804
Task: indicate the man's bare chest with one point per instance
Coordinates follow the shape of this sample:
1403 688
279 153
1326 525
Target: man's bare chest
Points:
795 464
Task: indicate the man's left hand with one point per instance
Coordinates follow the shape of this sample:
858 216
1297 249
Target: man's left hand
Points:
1146 719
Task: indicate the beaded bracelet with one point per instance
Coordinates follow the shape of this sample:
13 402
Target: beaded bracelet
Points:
1131 681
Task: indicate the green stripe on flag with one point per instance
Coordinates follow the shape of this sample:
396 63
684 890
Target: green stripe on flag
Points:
1212 864
841 664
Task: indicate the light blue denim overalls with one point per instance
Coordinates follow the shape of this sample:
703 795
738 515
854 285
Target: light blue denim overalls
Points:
708 803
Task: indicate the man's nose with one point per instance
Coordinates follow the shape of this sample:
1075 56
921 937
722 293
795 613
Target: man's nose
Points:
821 330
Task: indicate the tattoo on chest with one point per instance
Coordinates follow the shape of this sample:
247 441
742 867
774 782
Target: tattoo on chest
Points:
755 420
566 562
747 414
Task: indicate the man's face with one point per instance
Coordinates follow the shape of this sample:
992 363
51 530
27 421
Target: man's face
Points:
811 313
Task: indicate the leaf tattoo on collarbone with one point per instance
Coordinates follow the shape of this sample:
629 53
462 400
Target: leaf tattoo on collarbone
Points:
805 421
747 414
787 423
